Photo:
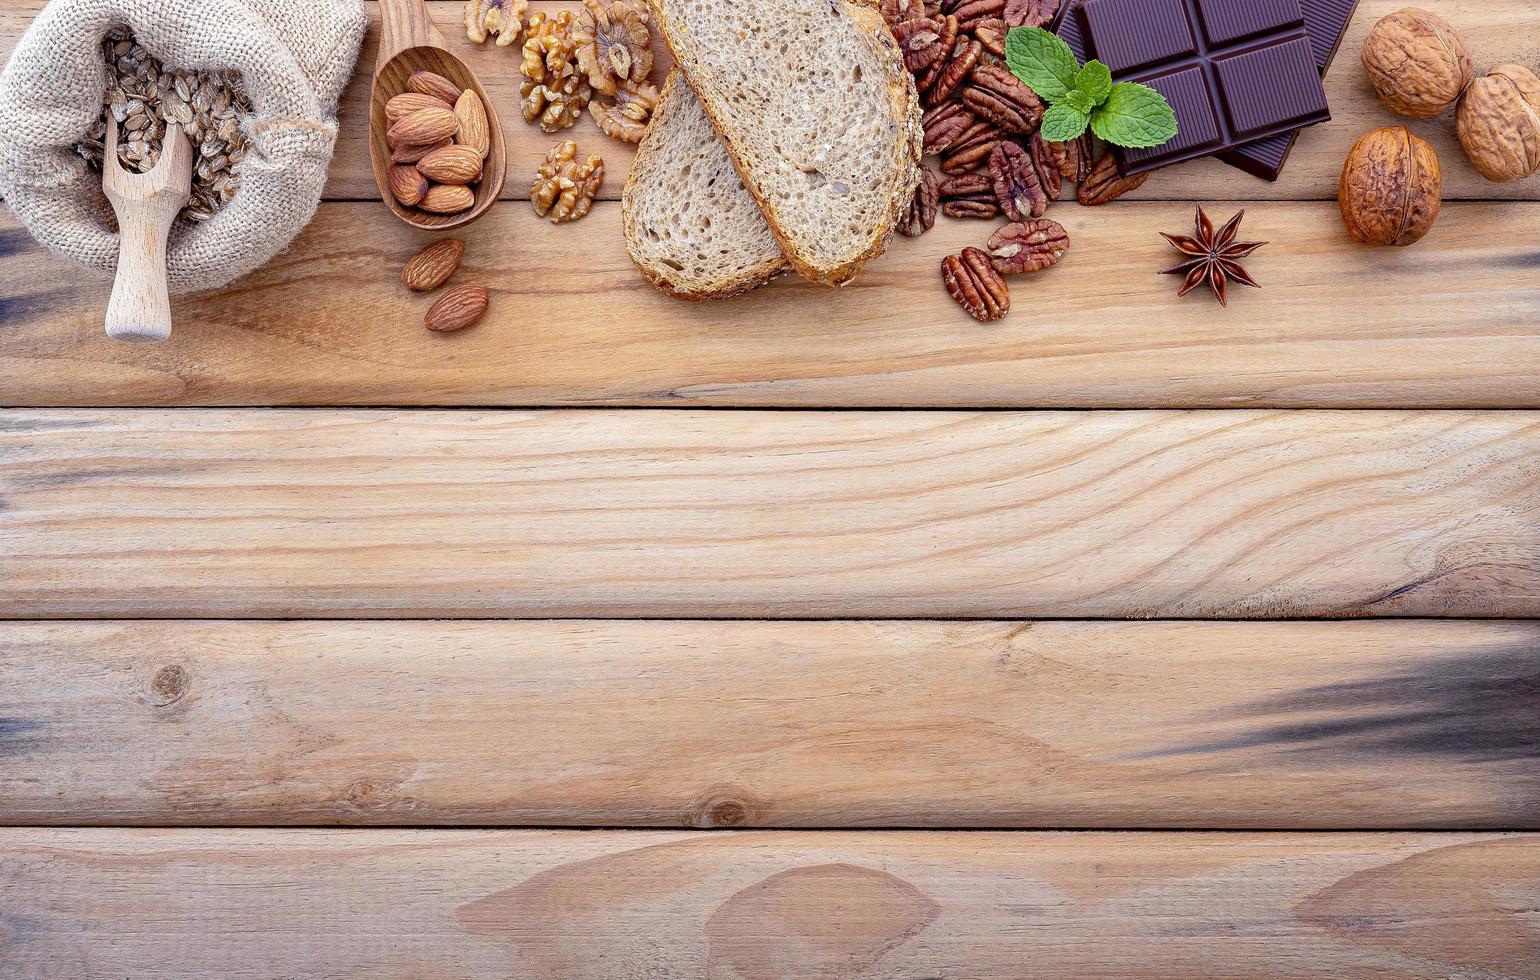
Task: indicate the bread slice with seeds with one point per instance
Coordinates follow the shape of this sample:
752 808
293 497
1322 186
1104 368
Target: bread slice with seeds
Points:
815 108
690 225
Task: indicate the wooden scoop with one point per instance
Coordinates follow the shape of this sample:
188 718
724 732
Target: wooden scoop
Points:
147 203
408 43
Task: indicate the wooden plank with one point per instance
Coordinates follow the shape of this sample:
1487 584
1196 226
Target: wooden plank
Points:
1242 514
1452 323
1496 31
1394 724
761 905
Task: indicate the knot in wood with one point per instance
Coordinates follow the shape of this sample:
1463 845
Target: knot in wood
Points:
720 808
168 686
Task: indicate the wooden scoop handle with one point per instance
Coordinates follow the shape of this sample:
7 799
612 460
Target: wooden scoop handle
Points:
406 24
140 308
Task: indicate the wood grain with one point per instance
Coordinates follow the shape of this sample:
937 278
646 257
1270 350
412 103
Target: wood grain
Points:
623 905
1242 514
1394 724
1496 31
1453 323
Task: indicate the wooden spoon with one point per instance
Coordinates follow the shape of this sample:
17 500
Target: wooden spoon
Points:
410 43
147 203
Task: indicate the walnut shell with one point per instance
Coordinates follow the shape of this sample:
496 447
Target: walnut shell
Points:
1417 63
1391 188
1499 123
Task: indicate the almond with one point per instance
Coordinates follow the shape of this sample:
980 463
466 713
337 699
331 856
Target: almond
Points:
427 83
432 267
452 165
412 152
458 308
407 103
471 123
447 199
421 127
407 185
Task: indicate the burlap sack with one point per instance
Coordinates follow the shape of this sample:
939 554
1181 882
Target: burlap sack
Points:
293 58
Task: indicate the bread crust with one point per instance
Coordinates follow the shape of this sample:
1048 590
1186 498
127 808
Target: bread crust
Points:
905 106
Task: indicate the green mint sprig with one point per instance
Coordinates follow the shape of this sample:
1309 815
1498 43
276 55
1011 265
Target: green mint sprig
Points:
1126 114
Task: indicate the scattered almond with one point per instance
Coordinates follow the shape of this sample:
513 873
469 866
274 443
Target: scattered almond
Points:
427 83
447 199
471 123
413 153
452 165
458 308
407 103
421 127
432 267
407 185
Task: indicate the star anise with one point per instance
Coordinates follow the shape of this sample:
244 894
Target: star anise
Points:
1215 256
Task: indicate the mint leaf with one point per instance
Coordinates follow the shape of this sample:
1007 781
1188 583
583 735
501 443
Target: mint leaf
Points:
1134 116
1095 80
1062 123
1079 101
1042 60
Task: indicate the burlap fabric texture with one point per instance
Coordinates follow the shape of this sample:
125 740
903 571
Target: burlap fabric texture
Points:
293 57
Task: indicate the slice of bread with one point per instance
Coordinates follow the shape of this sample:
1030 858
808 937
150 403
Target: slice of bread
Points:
690 225
821 119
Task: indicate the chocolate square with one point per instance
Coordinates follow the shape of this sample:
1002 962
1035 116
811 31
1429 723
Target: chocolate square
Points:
1326 23
1233 70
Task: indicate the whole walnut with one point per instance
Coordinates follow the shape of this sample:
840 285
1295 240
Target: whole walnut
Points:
1391 188
1499 123
1417 63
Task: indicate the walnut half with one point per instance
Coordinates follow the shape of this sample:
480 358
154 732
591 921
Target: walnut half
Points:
564 189
627 117
503 18
614 43
555 90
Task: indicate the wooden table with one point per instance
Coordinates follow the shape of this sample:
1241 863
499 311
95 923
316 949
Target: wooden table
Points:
1220 625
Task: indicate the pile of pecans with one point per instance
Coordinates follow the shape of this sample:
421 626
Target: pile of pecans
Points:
982 123
439 138
144 96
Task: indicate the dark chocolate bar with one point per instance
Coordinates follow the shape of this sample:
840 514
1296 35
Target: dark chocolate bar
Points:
1235 71
1326 22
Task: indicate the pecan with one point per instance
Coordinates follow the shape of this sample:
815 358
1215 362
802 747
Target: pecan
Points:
991 34
971 148
948 44
944 124
1005 100
1030 13
975 285
1105 183
920 41
954 71
1028 246
1047 169
1014 179
921 215
1073 159
970 12
969 196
